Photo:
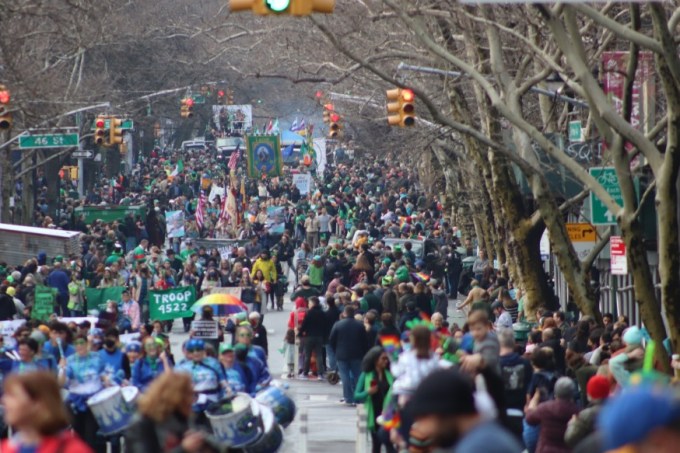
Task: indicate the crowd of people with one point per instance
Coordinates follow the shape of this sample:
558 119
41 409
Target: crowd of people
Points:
376 270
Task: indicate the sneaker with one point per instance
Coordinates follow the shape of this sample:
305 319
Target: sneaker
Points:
302 377
342 400
320 378
350 404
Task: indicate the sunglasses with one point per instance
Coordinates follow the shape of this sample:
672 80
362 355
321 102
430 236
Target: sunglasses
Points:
245 335
194 349
150 347
79 342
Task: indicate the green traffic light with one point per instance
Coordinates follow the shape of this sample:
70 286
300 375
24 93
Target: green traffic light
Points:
278 6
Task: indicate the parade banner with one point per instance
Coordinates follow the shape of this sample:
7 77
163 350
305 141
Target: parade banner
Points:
7 329
276 223
43 306
175 223
214 192
320 149
303 182
77 320
171 303
97 297
264 156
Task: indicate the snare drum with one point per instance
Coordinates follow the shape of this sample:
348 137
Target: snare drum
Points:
238 427
110 410
279 402
272 433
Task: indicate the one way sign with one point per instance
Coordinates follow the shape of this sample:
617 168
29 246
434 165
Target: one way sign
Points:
86 154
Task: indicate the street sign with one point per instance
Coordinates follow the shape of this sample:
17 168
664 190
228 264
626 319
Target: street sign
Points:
198 98
617 252
599 214
86 154
575 132
126 124
583 237
44 141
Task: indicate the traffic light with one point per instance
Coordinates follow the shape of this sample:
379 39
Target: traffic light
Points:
334 127
230 97
100 130
221 97
401 107
327 110
290 7
187 109
115 131
5 115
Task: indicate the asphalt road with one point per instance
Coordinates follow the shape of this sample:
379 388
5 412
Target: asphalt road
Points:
331 427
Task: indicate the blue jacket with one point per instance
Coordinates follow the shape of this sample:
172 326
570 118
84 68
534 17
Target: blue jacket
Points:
59 279
143 373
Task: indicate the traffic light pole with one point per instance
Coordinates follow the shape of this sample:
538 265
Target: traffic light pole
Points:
550 93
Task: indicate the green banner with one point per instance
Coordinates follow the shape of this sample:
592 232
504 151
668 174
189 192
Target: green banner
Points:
171 303
97 297
264 156
43 306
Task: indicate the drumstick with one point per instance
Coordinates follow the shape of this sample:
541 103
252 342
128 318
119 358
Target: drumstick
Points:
61 349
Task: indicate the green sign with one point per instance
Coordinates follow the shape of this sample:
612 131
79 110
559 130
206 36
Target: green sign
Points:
43 305
126 124
171 303
198 98
575 131
48 141
109 213
599 214
264 156
97 297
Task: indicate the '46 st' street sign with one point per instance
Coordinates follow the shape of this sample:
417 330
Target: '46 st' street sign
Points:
48 141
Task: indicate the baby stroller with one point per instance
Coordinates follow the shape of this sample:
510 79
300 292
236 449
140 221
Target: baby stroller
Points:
281 289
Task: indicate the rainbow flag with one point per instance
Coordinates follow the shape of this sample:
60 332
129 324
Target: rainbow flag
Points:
391 344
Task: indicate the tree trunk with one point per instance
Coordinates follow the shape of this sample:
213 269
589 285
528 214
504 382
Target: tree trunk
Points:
567 260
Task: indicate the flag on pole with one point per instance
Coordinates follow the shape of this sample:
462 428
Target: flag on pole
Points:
269 127
224 215
302 125
179 168
275 126
200 210
294 126
287 151
233 160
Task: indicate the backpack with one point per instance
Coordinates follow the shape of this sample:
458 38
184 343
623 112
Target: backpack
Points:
547 387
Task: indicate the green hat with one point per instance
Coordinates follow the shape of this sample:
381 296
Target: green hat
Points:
58 259
387 261
387 280
226 347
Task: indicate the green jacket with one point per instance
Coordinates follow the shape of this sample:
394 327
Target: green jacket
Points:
361 394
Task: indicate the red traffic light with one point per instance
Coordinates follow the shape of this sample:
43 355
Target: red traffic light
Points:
100 123
407 95
189 102
335 117
4 97
319 94
220 94
329 107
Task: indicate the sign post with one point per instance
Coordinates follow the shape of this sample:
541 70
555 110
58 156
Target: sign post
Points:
617 252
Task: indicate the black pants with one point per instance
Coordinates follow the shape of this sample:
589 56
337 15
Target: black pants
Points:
380 437
86 426
313 344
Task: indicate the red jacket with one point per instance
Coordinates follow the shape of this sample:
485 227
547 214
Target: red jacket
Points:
66 442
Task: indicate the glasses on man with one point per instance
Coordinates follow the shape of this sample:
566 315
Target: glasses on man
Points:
80 342
150 346
194 349
245 335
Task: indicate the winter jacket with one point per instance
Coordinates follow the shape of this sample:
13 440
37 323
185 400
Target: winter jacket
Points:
314 324
553 417
66 442
348 339
267 267
361 395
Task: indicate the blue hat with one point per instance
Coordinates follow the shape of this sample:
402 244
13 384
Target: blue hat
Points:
195 344
133 346
631 416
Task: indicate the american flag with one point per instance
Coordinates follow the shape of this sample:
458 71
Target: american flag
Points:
233 160
200 210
